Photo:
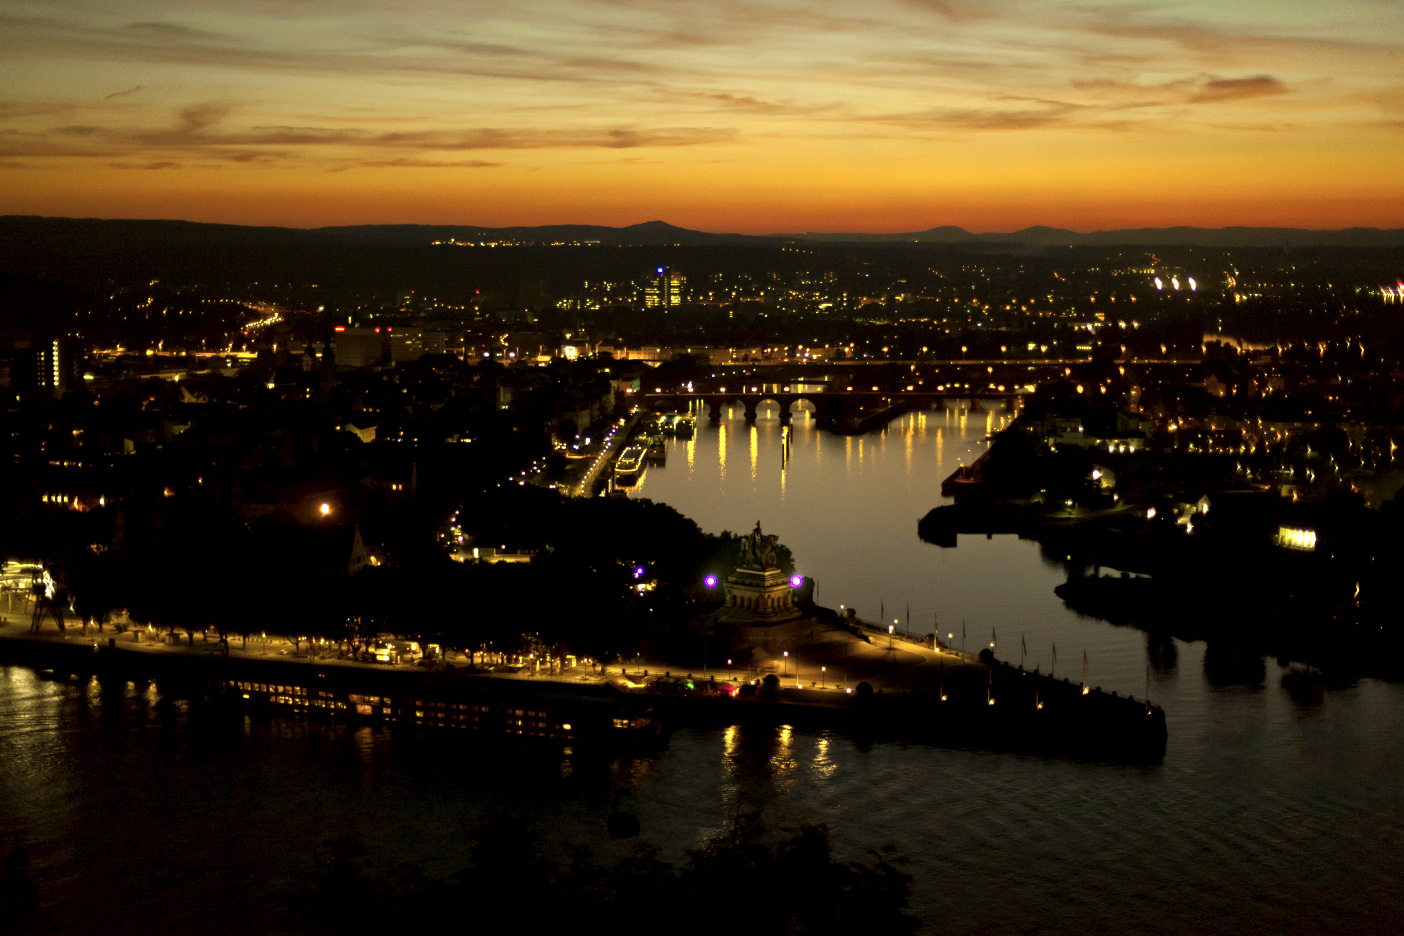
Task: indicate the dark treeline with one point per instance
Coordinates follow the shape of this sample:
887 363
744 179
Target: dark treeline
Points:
198 572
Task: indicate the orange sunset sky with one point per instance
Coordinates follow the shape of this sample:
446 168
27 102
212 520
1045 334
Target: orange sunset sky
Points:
740 115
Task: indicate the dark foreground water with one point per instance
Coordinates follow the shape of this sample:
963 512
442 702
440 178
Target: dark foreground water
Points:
1267 815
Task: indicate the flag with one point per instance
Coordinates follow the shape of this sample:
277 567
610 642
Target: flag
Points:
1024 647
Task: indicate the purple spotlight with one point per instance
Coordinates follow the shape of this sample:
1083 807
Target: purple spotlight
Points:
660 269
796 581
638 571
710 581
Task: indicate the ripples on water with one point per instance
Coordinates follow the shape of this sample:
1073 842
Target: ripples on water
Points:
148 815
1263 817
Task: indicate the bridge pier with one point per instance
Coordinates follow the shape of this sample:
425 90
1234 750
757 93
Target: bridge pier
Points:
750 412
975 406
785 418
714 408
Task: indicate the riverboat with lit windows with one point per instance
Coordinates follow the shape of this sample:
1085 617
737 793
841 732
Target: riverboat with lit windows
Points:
516 709
630 467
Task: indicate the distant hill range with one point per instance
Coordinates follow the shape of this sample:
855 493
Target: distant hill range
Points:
31 233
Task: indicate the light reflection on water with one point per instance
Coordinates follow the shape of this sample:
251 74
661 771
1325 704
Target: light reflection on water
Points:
1255 796
1265 816
782 762
851 523
823 766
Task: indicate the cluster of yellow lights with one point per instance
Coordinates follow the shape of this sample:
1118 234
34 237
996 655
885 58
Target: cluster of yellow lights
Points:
1296 538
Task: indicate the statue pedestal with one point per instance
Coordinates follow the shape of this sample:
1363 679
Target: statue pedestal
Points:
759 596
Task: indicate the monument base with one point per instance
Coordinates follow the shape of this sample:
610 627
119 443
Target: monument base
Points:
759 597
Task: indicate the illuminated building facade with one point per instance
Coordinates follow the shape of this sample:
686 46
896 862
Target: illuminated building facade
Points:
43 366
664 289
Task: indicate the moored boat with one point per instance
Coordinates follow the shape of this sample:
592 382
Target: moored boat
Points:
631 466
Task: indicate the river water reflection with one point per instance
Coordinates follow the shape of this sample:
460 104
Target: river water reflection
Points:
1265 816
1263 811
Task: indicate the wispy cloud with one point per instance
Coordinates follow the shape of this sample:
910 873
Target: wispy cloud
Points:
1201 89
206 130
984 119
417 164
1237 89
463 85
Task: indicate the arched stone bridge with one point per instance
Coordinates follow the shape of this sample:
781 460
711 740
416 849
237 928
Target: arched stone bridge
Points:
832 407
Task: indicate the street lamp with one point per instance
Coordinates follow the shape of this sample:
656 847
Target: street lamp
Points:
784 662
890 628
823 677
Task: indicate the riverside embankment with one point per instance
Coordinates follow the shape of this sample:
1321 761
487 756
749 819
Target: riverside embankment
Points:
971 702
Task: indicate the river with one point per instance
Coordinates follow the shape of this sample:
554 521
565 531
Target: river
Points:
1266 815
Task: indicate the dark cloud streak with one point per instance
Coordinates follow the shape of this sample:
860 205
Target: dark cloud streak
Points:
1237 89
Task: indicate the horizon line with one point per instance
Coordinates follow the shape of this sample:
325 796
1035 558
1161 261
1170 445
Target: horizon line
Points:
659 221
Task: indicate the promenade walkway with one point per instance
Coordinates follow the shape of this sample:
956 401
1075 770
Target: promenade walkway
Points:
829 660
612 444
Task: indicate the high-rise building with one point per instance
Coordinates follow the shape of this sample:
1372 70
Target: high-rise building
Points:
664 288
43 366
55 366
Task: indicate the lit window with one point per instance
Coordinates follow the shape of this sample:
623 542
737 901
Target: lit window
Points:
1302 540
